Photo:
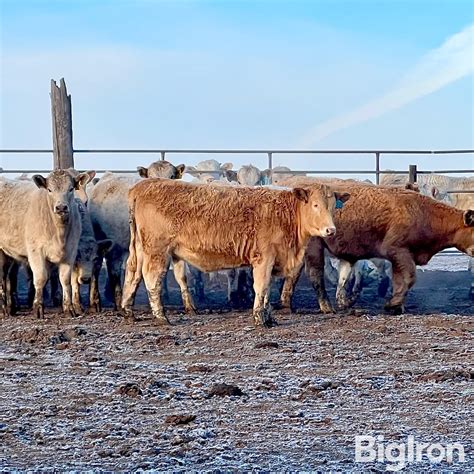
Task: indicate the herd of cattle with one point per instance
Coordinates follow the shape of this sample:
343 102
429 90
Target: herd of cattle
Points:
63 226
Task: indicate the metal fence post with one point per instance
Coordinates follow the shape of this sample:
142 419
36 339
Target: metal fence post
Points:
162 155
377 167
412 174
270 166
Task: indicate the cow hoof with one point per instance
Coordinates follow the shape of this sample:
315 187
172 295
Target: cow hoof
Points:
326 308
71 312
342 305
79 309
94 308
394 309
126 313
162 321
285 309
263 318
268 322
38 309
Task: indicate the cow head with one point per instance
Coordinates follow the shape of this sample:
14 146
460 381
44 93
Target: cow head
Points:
59 187
249 175
162 169
317 204
209 170
464 236
80 191
89 257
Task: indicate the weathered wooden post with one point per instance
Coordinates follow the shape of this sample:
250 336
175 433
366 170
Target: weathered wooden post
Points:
61 113
412 174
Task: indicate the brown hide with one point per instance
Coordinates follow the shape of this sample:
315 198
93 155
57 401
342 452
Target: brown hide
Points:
222 227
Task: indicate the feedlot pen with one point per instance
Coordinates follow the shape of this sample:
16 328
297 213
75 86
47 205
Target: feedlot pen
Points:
97 393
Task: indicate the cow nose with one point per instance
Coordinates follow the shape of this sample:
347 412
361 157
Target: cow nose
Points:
61 209
330 231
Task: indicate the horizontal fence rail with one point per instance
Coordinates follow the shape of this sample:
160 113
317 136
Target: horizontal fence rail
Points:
268 152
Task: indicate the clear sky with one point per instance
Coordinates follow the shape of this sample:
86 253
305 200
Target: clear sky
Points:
241 74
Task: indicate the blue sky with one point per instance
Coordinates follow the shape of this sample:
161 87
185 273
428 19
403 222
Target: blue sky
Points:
239 74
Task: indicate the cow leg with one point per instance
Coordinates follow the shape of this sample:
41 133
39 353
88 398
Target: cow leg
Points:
471 268
314 262
114 261
94 296
12 288
198 283
346 276
65 271
40 278
133 277
154 270
289 288
179 270
76 294
262 274
31 286
3 284
232 288
54 286
404 277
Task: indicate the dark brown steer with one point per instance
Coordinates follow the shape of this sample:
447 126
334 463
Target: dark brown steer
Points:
401 226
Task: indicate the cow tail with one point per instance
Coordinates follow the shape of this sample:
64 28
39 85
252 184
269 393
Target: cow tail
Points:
132 257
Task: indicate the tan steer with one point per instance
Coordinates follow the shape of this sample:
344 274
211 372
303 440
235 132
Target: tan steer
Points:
218 227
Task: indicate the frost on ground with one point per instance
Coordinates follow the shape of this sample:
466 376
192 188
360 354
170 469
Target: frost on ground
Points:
448 263
212 392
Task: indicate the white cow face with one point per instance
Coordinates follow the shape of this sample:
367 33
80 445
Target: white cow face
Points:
60 187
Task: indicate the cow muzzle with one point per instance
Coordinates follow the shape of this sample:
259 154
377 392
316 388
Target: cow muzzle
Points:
329 231
62 210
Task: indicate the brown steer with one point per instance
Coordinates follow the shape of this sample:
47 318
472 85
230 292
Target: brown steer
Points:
218 227
401 226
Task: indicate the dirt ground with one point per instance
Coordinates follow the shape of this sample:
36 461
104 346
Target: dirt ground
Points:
97 393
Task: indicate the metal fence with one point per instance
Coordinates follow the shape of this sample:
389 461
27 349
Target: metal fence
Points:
163 153
412 171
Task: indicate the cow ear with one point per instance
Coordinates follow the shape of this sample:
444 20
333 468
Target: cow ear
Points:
469 218
143 172
95 181
227 166
230 175
104 245
40 181
266 176
91 174
180 171
435 192
301 194
81 180
343 197
412 187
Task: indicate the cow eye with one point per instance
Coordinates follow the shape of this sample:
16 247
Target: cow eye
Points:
315 206
49 190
